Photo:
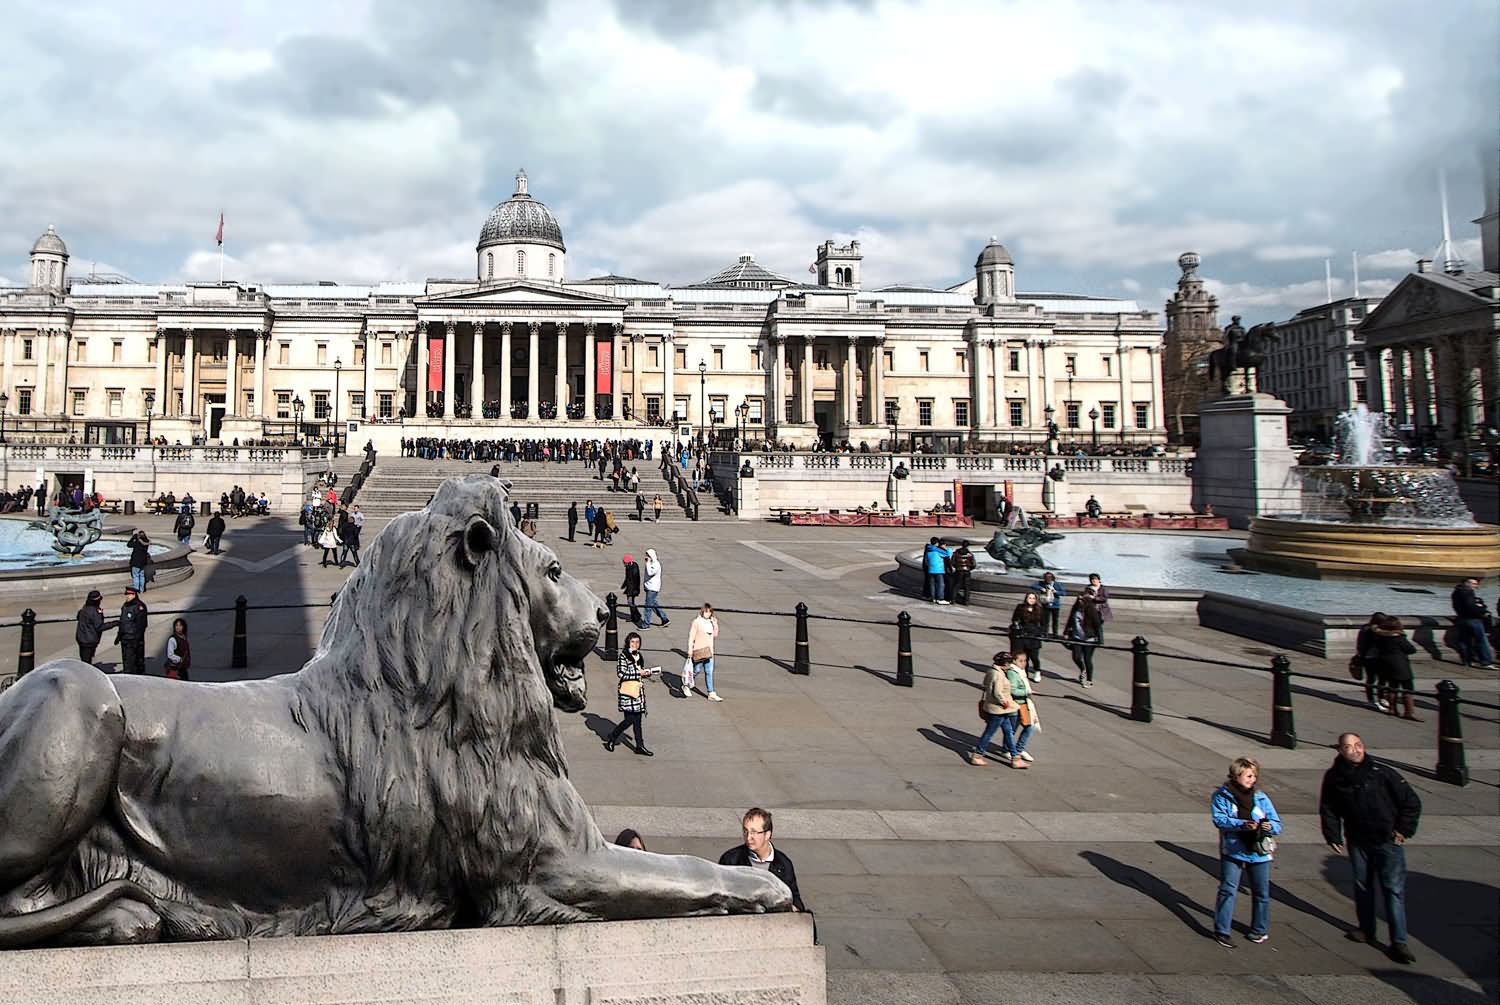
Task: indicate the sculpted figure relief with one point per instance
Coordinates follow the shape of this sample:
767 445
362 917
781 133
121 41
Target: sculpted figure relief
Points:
410 776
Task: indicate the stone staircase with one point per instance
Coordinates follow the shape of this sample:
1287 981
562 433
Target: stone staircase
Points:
403 484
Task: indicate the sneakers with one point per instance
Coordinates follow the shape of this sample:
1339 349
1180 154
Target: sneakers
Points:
1259 939
945 603
1080 680
1223 939
1036 678
1003 758
1026 756
1401 954
714 696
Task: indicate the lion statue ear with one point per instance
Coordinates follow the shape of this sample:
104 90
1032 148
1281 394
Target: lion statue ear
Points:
480 538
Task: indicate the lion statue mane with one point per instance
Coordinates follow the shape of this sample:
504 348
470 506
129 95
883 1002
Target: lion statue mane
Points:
410 776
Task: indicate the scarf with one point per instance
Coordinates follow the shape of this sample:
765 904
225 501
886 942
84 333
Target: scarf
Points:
1244 800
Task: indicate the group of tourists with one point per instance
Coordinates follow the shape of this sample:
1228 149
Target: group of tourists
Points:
633 673
18 501
512 449
333 526
130 636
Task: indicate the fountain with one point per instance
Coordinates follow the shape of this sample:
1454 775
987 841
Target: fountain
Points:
1366 516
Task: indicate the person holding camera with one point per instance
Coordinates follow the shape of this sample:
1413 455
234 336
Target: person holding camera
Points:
1248 825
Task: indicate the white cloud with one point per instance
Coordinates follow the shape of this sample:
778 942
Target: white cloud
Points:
1405 259
1129 285
1257 302
1291 252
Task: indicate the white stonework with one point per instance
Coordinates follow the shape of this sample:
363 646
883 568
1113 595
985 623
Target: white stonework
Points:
827 358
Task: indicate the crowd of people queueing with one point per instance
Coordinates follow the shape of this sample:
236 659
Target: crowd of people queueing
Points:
513 449
333 526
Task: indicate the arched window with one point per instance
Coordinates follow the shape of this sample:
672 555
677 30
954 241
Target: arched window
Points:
551 266
520 263
1003 289
489 265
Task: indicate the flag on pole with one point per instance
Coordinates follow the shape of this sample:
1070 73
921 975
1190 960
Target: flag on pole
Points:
813 268
219 234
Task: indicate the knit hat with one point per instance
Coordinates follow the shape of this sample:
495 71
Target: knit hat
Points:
94 597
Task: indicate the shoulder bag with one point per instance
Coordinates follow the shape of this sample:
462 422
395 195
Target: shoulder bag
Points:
630 688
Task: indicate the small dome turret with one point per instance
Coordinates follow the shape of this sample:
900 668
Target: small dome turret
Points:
994 275
50 244
49 262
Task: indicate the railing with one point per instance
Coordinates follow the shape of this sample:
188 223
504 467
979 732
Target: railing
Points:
1035 464
174 454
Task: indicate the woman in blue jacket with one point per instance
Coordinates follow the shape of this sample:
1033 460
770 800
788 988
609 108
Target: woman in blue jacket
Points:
1246 821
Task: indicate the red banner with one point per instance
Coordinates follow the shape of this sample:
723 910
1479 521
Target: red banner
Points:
434 364
604 366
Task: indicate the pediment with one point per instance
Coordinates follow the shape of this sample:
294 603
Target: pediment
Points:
517 293
1417 298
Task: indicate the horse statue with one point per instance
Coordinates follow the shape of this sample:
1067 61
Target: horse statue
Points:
1244 351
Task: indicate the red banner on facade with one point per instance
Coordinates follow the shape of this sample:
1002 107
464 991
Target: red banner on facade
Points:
604 366
434 364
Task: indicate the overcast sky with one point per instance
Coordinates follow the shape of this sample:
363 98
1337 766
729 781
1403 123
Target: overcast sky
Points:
363 141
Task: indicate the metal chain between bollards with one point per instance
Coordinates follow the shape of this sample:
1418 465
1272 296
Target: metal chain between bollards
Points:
239 657
1140 683
1283 724
1452 765
802 661
612 629
904 677
26 658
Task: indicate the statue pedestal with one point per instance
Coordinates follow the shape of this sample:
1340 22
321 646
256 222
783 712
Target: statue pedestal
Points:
1243 467
759 959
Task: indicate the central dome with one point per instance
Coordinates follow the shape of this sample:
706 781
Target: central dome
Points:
521 220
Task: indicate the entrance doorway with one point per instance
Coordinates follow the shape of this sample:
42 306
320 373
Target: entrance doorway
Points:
823 416
215 414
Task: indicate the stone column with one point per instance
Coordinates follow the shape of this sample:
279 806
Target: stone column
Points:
476 370
8 348
1421 391
846 378
421 406
1375 380
64 399
232 375
533 376
1158 420
1127 405
877 371
668 401
1399 356
776 410
997 384
189 373
43 343
805 389
637 346
258 406
612 332
590 384
505 350
450 375
560 371
976 382
372 344
1489 377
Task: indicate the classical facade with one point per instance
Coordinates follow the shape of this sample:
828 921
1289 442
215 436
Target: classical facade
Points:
523 345
1192 333
1318 365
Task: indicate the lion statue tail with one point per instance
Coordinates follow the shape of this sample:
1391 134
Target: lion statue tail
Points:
17 931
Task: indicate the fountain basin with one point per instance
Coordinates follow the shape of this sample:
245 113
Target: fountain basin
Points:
1319 549
29 568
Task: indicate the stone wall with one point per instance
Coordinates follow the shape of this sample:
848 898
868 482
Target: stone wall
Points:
748 960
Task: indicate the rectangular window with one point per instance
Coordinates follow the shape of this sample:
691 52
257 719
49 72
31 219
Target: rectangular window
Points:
890 359
653 407
1072 415
1070 364
145 393
718 357
1360 391
321 409
249 401
681 409
924 411
717 409
359 354
655 357
80 402
1143 416
1015 361
961 359
755 359
385 354
23 401
679 358
387 404
283 404
1107 414
822 359
116 351
26 350
116 403
79 347
1017 413
756 404
221 350
922 361
322 353
960 411
1108 365
151 350
890 411
787 410
283 353
356 404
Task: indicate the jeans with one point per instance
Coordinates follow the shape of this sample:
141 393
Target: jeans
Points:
1016 735
992 725
650 606
1053 614
138 578
1260 895
934 589
309 535
1473 647
961 588
1384 864
706 669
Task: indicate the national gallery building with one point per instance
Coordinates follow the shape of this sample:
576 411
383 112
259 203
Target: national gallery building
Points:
521 345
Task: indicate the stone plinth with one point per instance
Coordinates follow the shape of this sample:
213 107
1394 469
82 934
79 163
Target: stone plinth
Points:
755 960
1244 465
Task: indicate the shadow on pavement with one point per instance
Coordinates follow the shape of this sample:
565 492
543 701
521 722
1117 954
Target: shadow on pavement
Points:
1249 734
948 738
1182 906
1279 894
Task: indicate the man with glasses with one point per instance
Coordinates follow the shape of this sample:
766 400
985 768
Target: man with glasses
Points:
758 853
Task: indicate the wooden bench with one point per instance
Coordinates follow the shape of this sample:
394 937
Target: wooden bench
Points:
784 513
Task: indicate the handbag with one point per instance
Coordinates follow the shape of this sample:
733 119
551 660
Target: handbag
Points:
1357 667
702 654
1025 707
983 716
630 688
1265 844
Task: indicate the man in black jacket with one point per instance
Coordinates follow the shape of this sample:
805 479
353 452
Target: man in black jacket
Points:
758 853
215 531
1469 626
1370 808
572 519
132 634
631 587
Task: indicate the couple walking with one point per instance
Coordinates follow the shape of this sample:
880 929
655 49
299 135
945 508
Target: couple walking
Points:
651 582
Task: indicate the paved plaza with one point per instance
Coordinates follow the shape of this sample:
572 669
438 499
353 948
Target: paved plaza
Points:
1089 878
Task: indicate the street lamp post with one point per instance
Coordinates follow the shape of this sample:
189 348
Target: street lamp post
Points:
338 364
744 421
895 426
4 401
150 407
702 396
297 411
1049 412
1094 419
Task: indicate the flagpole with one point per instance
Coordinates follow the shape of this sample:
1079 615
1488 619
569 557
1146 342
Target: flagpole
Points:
221 263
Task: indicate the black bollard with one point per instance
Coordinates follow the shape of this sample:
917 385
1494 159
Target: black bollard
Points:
26 659
903 651
1452 766
238 658
612 629
1140 690
1283 724
802 662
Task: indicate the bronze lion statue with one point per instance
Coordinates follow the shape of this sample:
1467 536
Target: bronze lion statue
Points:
409 776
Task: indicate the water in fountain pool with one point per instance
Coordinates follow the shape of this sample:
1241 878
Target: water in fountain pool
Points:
25 547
